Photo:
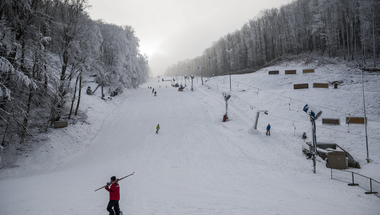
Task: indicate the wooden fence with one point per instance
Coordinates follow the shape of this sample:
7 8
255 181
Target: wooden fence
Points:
330 121
301 86
274 72
289 72
308 71
320 85
355 120
61 124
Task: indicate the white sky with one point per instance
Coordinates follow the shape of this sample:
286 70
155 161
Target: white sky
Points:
174 30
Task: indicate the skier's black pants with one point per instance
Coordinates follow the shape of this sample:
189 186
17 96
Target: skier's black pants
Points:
115 205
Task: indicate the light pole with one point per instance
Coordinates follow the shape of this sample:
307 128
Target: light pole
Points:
192 77
313 117
209 68
200 67
180 73
226 97
230 52
365 121
257 116
195 67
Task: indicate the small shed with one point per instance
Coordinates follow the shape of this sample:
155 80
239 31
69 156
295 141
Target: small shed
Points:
61 124
337 160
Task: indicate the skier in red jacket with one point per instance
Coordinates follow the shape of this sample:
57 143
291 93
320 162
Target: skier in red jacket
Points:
114 191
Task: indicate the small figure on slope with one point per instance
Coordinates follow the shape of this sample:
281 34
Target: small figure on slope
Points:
157 128
304 136
155 93
89 91
268 130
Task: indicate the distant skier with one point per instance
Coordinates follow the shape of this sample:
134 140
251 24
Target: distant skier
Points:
304 136
157 128
89 91
155 93
114 191
268 130
153 90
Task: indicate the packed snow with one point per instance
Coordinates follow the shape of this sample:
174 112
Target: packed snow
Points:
198 164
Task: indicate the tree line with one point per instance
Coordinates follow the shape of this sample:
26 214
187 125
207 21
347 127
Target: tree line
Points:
336 28
48 49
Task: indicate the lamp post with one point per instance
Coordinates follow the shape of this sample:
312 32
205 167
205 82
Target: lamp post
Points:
195 67
313 117
180 73
192 77
230 52
257 116
365 121
200 67
209 68
226 97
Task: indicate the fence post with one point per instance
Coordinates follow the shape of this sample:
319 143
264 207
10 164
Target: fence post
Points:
370 187
353 181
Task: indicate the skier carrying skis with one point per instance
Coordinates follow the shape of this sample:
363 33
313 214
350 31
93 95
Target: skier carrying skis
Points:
268 130
157 128
114 191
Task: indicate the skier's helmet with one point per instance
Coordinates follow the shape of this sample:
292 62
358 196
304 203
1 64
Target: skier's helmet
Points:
113 178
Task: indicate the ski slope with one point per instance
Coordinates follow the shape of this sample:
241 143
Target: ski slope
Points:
198 164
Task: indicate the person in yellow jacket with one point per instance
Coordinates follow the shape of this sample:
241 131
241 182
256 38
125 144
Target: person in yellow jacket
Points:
157 128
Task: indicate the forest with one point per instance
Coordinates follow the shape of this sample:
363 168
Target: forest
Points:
349 29
48 51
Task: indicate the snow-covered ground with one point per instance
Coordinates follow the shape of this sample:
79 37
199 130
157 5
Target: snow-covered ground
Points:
198 164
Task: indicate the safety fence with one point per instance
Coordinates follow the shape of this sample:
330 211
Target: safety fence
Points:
354 179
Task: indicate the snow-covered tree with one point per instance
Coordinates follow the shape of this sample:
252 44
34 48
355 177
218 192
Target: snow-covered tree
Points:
333 27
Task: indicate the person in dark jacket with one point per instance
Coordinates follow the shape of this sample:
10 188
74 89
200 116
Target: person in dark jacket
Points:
114 190
89 91
268 130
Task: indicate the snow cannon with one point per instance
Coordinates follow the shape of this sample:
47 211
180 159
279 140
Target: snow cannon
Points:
226 96
312 111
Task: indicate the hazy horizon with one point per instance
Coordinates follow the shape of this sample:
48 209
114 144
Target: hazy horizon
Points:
170 31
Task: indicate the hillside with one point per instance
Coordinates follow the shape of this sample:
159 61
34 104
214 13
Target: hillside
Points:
198 164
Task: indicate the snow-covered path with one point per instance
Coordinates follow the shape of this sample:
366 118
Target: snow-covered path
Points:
195 165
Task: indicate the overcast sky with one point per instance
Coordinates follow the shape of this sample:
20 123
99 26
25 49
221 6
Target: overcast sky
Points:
174 30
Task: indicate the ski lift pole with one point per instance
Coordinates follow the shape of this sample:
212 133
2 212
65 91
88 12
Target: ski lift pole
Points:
115 181
314 142
257 116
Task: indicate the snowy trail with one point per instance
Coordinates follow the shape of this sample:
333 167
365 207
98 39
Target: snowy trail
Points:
195 165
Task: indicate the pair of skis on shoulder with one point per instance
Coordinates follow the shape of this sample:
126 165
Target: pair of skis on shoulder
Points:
117 180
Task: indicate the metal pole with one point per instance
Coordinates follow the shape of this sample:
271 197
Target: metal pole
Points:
192 78
229 51
201 74
314 142
230 80
257 119
195 71
365 121
209 68
226 106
